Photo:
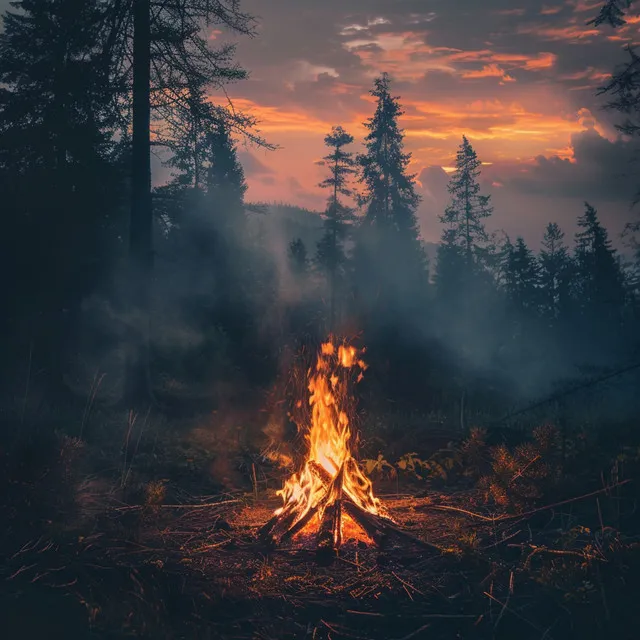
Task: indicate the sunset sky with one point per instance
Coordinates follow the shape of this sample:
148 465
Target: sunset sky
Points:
519 77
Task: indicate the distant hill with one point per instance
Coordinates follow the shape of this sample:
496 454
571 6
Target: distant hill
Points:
288 222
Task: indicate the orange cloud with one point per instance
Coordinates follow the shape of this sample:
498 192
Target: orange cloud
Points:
569 33
580 6
344 88
405 55
504 131
489 71
273 119
543 60
408 57
590 73
627 32
550 11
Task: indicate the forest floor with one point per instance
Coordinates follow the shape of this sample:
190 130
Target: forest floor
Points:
83 557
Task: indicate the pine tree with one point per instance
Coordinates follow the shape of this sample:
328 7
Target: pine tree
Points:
555 276
60 180
225 181
600 285
613 13
330 250
464 280
468 209
172 62
298 259
521 281
632 242
191 131
390 259
449 278
208 213
522 345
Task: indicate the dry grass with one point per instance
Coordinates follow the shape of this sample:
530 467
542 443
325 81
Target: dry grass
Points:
166 570
156 559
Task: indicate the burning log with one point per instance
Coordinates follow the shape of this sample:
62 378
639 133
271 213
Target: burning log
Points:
330 533
331 491
283 526
369 523
323 475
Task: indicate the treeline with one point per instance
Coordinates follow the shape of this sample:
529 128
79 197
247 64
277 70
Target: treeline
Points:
204 287
492 317
92 258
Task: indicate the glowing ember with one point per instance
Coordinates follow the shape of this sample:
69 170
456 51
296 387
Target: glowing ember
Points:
330 496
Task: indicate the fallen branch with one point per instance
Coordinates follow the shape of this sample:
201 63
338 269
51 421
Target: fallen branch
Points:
177 506
512 611
413 634
535 549
526 514
443 507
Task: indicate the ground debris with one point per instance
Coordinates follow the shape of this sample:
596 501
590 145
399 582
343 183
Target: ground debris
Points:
200 571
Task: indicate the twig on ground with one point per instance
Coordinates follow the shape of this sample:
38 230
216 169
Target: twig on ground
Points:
177 506
526 514
558 552
512 611
413 634
406 584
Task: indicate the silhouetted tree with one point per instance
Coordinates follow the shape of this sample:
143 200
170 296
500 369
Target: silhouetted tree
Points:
330 251
189 132
521 282
449 277
225 181
390 260
520 344
613 13
298 257
138 383
468 209
60 179
169 62
556 270
600 287
465 253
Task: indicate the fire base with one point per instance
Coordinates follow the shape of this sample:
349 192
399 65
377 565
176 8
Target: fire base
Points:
333 509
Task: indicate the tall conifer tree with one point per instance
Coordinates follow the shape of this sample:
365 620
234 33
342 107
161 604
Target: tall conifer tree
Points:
330 252
465 250
60 182
555 277
465 215
392 266
599 277
521 281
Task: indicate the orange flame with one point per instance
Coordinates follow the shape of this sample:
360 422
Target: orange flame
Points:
331 442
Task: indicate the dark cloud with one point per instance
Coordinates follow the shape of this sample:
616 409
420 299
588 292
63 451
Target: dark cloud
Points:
600 169
527 195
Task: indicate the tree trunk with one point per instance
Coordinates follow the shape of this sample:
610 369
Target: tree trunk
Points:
334 248
137 385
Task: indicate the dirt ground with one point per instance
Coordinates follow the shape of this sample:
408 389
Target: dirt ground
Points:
196 570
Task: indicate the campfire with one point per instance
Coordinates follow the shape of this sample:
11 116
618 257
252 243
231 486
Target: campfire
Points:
330 500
